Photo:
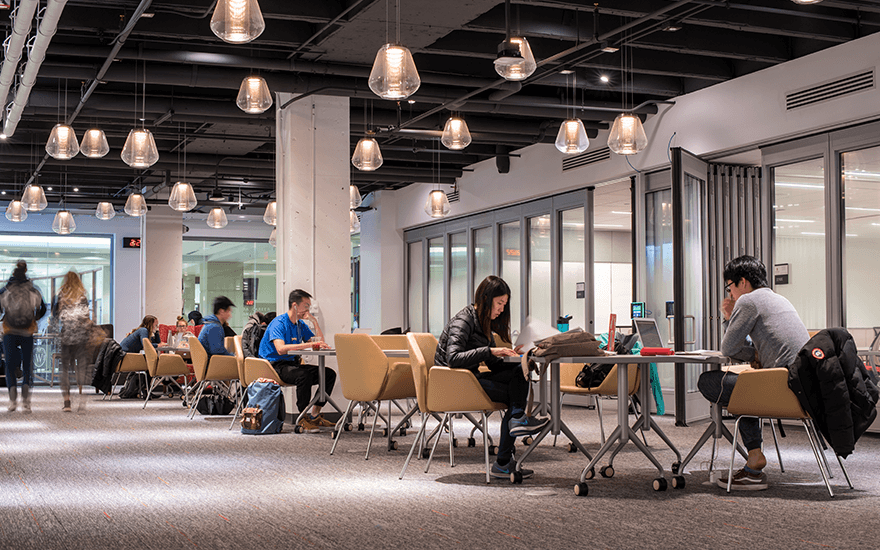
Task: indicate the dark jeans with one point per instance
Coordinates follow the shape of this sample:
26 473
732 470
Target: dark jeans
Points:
717 387
75 359
304 377
19 351
511 388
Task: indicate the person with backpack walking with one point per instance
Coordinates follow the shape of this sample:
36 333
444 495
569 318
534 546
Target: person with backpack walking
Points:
22 306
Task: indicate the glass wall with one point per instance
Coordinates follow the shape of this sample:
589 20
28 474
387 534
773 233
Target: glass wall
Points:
510 269
482 255
458 260
539 270
414 291
612 254
243 271
436 316
861 191
573 269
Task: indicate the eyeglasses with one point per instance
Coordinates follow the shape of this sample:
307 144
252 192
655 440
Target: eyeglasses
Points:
727 287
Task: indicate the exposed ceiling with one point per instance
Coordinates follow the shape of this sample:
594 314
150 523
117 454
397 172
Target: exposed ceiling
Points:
191 79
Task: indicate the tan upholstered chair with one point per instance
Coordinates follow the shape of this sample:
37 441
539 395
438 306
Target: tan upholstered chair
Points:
446 391
367 375
131 363
255 368
238 352
764 393
568 373
163 368
220 368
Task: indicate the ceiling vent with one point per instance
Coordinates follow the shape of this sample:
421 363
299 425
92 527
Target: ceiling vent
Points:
585 159
452 196
839 87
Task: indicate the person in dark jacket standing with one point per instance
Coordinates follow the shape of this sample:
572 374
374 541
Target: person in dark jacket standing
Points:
468 340
22 306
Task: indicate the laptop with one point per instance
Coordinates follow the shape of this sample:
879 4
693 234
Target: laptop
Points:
648 332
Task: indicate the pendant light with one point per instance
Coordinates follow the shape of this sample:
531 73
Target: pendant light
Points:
367 156
437 205
62 144
572 136
627 135
253 95
16 212
272 239
135 205
237 21
456 135
94 144
270 216
217 218
354 224
105 211
64 223
33 198
514 60
140 150
183 198
394 74
354 197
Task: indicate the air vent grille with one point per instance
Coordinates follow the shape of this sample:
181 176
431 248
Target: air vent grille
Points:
452 196
846 85
585 159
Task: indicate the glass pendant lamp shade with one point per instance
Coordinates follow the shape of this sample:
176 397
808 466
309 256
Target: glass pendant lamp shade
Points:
367 156
515 67
94 143
437 204
627 136
16 212
253 95
272 239
183 198
33 198
217 218
237 21
270 216
135 205
140 150
572 137
63 223
62 144
354 197
105 211
456 135
394 74
354 224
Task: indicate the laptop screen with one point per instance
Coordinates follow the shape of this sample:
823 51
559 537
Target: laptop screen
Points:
647 329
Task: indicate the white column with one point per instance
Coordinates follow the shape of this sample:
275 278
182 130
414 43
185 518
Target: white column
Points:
163 269
382 269
313 242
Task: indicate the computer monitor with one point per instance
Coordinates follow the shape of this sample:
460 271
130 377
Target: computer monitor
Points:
648 333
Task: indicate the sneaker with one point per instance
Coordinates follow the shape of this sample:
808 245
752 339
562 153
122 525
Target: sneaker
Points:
26 407
526 425
66 408
321 422
12 406
503 472
745 481
308 425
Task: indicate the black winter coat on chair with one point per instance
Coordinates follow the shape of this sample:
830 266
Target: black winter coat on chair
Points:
834 387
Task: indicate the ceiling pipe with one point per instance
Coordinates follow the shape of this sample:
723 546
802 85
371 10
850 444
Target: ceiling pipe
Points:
22 17
37 54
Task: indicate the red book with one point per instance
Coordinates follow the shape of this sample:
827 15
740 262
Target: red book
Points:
612 325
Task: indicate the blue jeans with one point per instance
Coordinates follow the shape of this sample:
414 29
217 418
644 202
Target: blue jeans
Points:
511 388
19 352
717 387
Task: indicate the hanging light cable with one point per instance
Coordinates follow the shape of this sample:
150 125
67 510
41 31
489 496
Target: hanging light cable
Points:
627 135
237 21
140 149
394 74
572 136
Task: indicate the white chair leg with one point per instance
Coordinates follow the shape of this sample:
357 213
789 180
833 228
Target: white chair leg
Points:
451 439
812 427
486 444
776 443
416 441
153 384
372 431
733 453
434 447
817 450
340 426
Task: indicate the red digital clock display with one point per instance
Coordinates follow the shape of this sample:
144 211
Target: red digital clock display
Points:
131 242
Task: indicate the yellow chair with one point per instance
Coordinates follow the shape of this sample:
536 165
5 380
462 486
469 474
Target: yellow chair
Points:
220 368
131 363
368 376
255 368
447 391
163 368
764 393
607 388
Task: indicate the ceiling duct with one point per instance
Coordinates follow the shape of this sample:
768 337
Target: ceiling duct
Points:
22 17
839 87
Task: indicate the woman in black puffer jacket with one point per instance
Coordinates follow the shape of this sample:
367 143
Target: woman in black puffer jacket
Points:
467 341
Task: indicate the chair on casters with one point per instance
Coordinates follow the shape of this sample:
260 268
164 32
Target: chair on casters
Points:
367 375
764 393
220 368
163 368
446 391
131 363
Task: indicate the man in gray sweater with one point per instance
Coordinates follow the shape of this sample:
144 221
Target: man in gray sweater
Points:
760 327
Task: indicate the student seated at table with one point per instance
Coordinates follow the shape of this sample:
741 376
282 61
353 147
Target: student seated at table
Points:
177 338
134 341
467 341
289 332
763 328
212 335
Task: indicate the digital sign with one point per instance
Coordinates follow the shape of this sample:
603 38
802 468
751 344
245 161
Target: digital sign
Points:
131 242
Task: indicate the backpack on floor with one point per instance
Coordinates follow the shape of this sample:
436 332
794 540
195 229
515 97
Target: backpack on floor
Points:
214 404
264 413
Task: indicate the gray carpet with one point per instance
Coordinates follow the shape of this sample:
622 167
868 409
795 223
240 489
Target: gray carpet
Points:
117 476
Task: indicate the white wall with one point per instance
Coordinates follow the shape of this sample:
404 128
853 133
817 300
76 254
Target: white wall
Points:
381 265
162 245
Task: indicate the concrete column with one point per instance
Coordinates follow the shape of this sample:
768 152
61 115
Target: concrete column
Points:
163 250
313 242
382 269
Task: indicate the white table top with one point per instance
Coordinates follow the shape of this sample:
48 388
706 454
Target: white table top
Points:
332 352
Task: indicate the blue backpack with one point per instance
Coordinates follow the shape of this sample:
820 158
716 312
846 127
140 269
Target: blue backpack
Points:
265 411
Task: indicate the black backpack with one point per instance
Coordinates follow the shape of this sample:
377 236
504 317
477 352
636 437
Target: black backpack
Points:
593 374
251 338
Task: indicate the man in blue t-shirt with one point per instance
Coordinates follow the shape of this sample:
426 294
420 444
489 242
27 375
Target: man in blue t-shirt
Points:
287 333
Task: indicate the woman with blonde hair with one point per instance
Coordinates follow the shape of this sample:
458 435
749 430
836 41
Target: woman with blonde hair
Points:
77 335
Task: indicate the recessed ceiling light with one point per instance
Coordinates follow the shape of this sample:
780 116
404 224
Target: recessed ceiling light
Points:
411 101
604 78
566 71
2 192
48 189
76 189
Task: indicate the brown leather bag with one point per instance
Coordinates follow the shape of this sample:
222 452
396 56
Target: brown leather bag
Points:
574 343
252 418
